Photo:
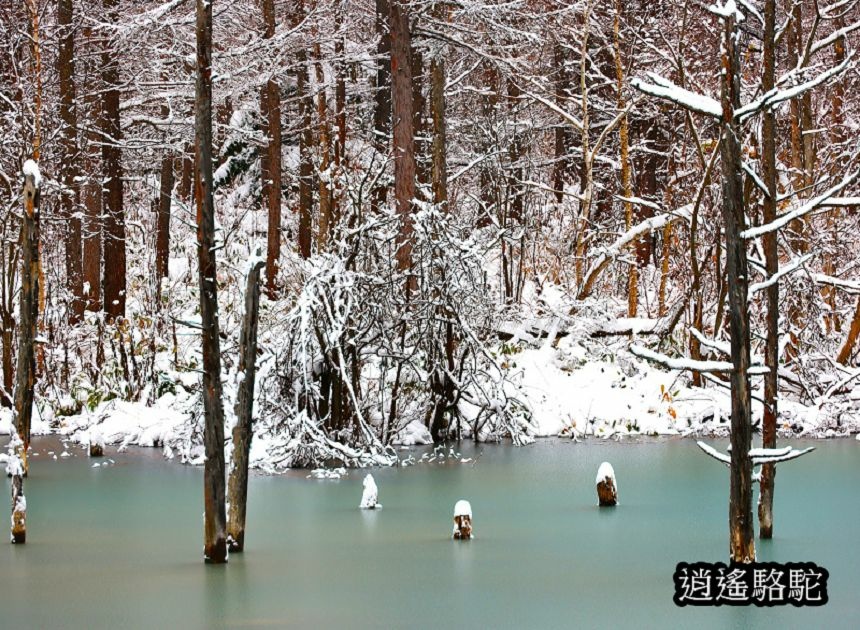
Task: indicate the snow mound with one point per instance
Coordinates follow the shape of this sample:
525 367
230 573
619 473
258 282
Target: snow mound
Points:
413 434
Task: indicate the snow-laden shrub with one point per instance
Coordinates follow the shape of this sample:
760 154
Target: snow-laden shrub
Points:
368 348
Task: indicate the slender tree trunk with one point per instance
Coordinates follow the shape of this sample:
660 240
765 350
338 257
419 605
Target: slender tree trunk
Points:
306 167
771 253
215 542
237 490
69 160
742 541
437 111
25 377
114 214
271 110
624 142
91 195
324 136
165 201
382 105
404 136
563 141
419 127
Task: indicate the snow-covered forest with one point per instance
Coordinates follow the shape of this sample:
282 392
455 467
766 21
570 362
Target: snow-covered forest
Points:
488 220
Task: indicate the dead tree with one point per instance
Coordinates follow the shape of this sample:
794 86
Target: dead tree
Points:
237 490
25 377
215 542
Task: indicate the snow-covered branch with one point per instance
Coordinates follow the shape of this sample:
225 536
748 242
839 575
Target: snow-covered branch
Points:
666 90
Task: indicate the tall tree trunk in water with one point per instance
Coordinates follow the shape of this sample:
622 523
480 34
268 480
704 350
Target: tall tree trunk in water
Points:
215 541
25 376
741 535
237 490
271 110
91 193
382 105
114 215
404 137
162 239
69 160
771 253
624 141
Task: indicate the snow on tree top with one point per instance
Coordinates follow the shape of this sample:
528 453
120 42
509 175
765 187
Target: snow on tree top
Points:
31 169
463 508
605 471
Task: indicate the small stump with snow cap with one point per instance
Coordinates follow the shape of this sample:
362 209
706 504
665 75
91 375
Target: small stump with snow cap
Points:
462 520
607 489
370 496
97 443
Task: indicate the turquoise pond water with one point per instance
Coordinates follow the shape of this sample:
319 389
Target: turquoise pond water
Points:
121 546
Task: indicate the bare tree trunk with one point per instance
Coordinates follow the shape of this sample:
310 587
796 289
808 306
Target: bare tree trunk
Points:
306 167
324 135
162 239
563 141
742 541
437 110
237 491
271 110
404 136
114 214
69 160
25 377
215 541
382 105
624 141
771 253
91 196
419 128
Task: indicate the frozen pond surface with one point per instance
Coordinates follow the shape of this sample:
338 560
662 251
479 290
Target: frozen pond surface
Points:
121 546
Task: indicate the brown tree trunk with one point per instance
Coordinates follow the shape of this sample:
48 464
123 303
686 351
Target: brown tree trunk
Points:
237 490
69 160
306 167
404 136
91 198
419 128
324 136
271 110
162 239
771 253
215 540
742 541
382 104
114 214
439 168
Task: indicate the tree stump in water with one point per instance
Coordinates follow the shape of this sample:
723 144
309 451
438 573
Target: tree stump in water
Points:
19 503
97 443
462 520
607 489
370 496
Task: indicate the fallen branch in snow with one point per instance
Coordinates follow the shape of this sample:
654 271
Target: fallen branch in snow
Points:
690 364
610 253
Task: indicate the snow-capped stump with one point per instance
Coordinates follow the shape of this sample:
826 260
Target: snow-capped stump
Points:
369 498
462 520
607 489
97 443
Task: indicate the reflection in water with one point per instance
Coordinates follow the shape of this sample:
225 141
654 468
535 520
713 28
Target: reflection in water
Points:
121 546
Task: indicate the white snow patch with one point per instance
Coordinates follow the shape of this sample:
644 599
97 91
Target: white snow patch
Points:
413 434
606 472
462 508
370 495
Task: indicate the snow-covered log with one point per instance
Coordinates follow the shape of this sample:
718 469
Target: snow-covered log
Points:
607 488
462 520
689 364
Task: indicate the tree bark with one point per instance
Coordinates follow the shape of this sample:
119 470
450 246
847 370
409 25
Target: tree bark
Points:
742 541
771 253
271 110
215 541
25 376
91 197
382 104
165 201
114 214
326 224
404 136
242 432
69 160
439 168
306 167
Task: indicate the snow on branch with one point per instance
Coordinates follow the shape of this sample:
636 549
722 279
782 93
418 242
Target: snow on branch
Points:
830 39
849 286
758 456
690 364
783 271
610 253
775 97
806 208
665 89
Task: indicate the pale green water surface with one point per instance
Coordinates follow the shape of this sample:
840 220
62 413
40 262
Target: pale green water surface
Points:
121 546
